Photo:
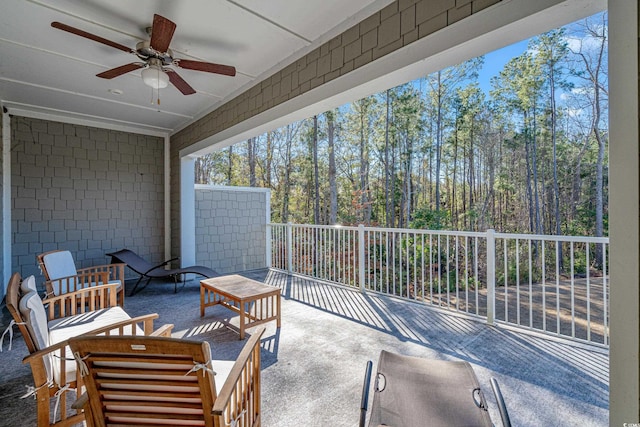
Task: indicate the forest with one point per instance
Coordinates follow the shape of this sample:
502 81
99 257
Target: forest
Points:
529 154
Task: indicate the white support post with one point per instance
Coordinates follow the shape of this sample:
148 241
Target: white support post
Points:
491 276
187 212
167 197
267 196
361 257
6 201
289 249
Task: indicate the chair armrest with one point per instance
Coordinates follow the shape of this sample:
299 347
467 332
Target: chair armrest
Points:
364 402
81 301
163 331
240 393
504 414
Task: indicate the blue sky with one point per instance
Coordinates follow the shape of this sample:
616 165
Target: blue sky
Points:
495 61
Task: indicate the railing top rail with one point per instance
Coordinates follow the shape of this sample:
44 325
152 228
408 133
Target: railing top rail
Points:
548 237
388 230
522 236
334 227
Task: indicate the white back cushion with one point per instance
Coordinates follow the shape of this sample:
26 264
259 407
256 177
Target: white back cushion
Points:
28 285
35 317
60 264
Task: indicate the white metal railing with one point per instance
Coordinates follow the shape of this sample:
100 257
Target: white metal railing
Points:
554 284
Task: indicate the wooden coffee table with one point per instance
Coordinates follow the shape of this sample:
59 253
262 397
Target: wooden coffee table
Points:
256 302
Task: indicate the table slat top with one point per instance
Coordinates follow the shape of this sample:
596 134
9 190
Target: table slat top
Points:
238 286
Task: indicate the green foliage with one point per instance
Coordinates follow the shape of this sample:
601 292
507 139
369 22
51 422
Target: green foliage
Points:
514 274
427 219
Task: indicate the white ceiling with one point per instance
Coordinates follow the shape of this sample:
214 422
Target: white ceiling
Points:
46 72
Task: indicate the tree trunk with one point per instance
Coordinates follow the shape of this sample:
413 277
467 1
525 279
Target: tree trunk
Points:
333 190
534 166
230 167
268 161
364 171
287 175
528 163
387 195
251 154
316 182
439 132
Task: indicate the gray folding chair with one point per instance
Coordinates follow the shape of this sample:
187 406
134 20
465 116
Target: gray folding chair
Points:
416 392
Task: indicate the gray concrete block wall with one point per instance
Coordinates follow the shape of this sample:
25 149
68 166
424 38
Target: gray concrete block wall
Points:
231 227
84 189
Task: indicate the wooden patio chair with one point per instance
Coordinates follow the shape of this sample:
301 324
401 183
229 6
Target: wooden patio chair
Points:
62 276
89 311
409 390
166 381
150 270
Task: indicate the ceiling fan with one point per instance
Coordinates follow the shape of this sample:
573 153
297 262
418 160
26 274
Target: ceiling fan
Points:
156 56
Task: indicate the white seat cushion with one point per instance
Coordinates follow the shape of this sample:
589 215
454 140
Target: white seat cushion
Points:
68 327
222 368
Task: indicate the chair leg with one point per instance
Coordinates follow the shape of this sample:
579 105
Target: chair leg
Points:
133 291
175 281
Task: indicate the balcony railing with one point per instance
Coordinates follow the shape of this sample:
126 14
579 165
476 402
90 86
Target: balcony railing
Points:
553 284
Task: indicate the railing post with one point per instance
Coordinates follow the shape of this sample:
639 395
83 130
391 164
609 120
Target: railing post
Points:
289 248
491 276
268 254
361 256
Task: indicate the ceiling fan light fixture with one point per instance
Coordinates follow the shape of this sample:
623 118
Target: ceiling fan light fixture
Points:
154 77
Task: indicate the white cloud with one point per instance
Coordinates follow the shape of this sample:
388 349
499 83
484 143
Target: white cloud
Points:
585 44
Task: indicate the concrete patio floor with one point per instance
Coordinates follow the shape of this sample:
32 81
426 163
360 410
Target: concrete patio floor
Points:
314 364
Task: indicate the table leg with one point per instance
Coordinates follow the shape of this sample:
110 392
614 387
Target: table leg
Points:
201 301
242 320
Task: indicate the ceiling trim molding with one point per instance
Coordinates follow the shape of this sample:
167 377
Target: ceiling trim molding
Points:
89 121
84 95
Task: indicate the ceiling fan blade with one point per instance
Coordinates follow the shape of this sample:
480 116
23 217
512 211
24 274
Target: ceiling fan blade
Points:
208 67
179 83
118 71
81 33
161 33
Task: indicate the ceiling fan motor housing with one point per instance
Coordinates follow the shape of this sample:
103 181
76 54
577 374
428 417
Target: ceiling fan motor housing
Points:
145 52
